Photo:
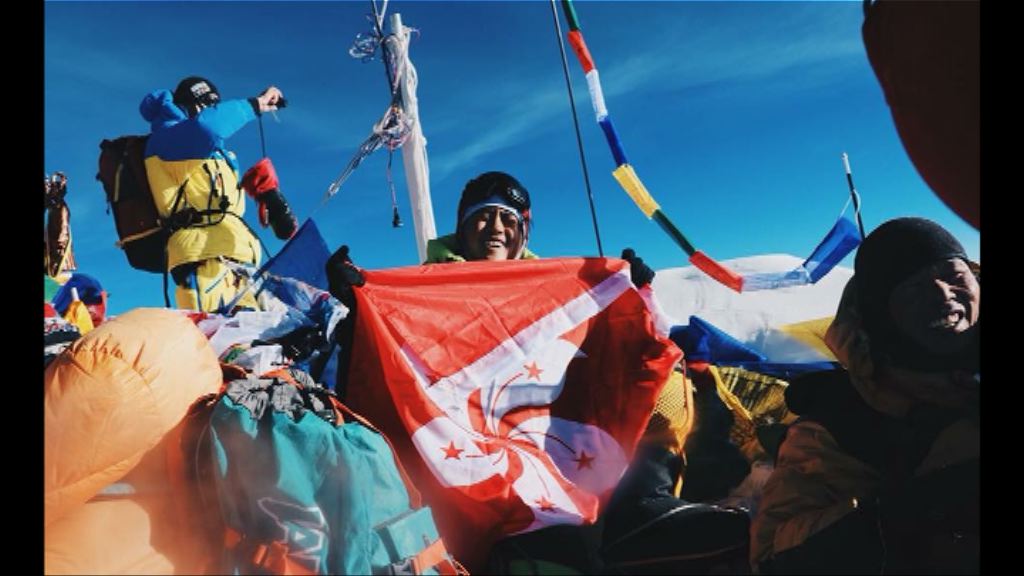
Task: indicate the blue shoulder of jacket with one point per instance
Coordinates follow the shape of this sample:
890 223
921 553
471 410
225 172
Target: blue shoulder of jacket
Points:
177 137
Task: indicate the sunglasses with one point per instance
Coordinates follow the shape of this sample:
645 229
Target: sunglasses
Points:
509 219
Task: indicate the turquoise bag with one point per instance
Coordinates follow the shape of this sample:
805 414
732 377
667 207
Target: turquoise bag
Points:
305 486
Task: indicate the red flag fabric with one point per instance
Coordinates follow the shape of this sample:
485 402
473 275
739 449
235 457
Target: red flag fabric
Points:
514 392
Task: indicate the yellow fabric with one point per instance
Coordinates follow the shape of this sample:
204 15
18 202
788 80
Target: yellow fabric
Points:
763 397
631 183
166 176
227 235
755 399
812 333
231 238
216 284
844 336
742 432
813 485
78 315
672 418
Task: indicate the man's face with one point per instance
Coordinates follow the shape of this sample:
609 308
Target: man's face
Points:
492 233
938 305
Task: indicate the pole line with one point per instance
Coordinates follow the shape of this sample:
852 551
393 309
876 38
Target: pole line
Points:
853 193
576 123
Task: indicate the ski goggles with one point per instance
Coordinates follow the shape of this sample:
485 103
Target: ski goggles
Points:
509 215
501 194
203 94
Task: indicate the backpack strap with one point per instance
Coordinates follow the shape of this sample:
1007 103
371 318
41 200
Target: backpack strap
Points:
275 558
167 298
182 215
270 558
434 556
178 217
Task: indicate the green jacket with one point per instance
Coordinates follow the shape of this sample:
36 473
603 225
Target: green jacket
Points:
446 249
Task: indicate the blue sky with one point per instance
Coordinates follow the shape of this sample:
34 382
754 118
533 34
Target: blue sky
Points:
734 114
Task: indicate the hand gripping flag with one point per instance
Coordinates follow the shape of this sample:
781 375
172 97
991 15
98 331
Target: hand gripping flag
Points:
515 392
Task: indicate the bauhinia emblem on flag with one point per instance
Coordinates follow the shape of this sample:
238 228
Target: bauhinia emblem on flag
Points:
515 392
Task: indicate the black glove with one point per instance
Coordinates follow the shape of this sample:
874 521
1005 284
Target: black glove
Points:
274 210
299 344
640 273
342 275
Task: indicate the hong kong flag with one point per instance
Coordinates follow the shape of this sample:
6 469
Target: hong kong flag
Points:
514 392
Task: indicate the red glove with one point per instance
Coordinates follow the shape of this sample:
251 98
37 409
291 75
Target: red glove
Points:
260 178
260 182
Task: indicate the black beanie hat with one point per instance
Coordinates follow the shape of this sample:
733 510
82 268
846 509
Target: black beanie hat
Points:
892 253
195 90
494 184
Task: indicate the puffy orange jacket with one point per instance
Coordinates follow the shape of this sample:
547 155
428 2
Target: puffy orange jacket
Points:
112 403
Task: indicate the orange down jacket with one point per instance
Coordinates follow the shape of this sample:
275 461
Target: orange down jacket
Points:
112 403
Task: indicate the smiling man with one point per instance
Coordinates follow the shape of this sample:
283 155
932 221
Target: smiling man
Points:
493 222
881 472
937 308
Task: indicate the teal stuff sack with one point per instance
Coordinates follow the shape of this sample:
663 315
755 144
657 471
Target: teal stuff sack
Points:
307 487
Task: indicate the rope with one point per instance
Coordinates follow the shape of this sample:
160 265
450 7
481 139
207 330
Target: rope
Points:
396 220
263 143
395 126
576 123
